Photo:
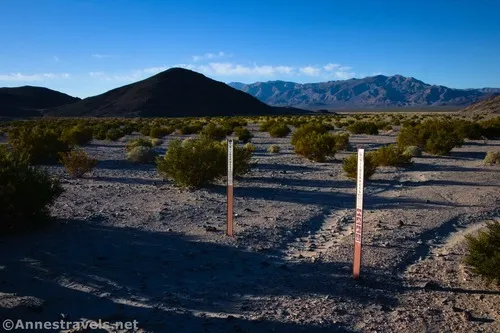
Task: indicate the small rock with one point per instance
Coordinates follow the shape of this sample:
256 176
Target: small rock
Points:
209 228
431 285
466 315
401 223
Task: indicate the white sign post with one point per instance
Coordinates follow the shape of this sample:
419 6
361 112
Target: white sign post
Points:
359 214
230 144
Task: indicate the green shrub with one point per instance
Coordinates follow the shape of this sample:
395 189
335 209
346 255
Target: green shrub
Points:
492 158
114 134
280 130
274 149
363 127
250 147
341 141
140 142
350 165
26 192
434 136
413 151
213 132
243 134
160 132
41 145
77 135
156 142
316 146
77 162
141 155
484 253
391 155
198 162
191 129
491 128
306 129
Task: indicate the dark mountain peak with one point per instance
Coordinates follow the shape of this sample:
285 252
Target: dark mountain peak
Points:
175 92
30 100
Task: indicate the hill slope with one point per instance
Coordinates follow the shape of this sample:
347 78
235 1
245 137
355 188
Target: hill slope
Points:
488 106
375 91
172 93
30 101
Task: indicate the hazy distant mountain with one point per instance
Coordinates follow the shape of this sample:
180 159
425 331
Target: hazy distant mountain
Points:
176 92
29 101
375 91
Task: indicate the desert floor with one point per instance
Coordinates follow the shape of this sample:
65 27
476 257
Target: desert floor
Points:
128 245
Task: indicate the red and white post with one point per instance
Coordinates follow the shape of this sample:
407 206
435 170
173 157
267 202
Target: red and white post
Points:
359 214
230 144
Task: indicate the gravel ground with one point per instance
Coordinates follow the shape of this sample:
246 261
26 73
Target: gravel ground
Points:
128 245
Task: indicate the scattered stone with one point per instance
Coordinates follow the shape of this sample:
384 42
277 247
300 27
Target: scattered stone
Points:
209 228
466 315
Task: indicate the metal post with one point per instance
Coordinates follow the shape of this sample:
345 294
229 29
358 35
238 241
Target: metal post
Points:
359 214
230 144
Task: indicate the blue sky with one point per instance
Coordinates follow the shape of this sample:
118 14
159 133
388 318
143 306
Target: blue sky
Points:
85 48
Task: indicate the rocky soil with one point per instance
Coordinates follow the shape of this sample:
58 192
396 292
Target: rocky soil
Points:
128 245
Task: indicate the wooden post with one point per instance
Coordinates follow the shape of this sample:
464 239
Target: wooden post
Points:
230 144
359 214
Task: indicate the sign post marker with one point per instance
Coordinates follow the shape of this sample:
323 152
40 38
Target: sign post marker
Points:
359 214
230 144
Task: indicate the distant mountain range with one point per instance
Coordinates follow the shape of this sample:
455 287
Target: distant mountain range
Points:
371 92
179 92
176 92
30 101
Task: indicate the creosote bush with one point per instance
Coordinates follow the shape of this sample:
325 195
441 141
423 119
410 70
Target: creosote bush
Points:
434 136
413 151
243 134
350 165
214 132
201 161
77 162
114 134
156 142
363 127
274 149
140 142
41 146
250 147
316 146
279 130
492 158
484 253
160 132
26 192
77 135
391 155
141 155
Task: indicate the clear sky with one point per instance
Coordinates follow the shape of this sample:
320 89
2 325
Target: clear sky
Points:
87 47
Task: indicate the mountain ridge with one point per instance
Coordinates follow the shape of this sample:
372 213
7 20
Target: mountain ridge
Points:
370 92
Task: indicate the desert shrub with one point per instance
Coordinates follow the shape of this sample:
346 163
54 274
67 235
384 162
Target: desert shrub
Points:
77 135
491 128
279 130
26 192
388 128
437 137
250 147
341 141
213 132
492 158
114 134
468 129
40 145
100 132
243 134
391 155
274 149
198 162
382 124
160 132
363 127
484 253
77 162
140 142
413 151
266 125
316 146
190 129
350 165
141 155
156 142
306 129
